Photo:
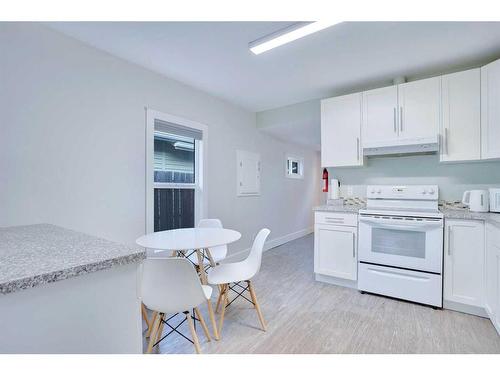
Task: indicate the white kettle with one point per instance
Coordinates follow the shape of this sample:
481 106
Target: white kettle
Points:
477 200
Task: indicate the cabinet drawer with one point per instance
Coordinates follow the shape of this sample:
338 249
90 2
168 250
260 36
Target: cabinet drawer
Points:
336 218
400 283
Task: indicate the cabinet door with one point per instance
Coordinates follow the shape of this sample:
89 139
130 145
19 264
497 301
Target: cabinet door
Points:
461 116
492 297
380 115
340 131
335 251
490 110
464 262
419 108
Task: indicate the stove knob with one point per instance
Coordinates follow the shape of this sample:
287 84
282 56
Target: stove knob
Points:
379 191
373 191
431 191
424 192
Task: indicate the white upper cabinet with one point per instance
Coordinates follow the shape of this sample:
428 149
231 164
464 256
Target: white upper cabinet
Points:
461 116
490 110
341 131
419 108
380 108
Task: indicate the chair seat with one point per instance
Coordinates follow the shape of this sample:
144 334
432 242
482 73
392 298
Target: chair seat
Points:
230 273
218 253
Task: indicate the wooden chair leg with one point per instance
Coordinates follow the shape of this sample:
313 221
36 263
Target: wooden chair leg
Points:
219 299
193 332
153 319
154 325
203 274
256 304
145 316
223 311
212 319
160 328
203 324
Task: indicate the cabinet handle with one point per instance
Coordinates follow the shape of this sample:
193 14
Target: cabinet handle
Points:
335 219
395 116
357 145
353 245
401 118
449 241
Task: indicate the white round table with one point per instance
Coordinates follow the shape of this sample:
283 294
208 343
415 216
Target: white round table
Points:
188 238
199 239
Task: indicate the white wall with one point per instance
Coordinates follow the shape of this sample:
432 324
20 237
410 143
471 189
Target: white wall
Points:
453 178
72 143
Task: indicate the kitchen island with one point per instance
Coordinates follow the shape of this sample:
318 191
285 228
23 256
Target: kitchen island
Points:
63 291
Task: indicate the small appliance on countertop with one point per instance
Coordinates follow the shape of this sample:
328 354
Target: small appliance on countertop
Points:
494 199
477 200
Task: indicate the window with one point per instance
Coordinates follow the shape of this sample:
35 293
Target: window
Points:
174 178
174 159
294 167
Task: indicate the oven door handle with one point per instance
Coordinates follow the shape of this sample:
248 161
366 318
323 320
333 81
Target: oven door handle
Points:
400 224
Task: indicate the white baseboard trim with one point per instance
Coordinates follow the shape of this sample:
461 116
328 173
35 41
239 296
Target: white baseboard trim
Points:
275 242
463 308
353 284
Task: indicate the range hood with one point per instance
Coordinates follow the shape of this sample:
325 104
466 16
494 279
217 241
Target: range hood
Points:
422 145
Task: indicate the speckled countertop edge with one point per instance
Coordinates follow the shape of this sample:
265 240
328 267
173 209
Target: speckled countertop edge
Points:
31 281
449 213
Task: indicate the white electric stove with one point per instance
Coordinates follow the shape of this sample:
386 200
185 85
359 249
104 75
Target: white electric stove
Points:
401 243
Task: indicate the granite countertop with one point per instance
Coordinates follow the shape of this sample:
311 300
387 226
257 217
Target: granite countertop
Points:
449 213
38 254
465 214
340 208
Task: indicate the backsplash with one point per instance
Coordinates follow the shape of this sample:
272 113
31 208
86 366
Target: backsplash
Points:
453 179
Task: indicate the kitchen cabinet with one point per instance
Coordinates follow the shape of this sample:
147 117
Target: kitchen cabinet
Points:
405 111
380 116
341 131
335 245
464 262
461 116
492 275
419 108
490 110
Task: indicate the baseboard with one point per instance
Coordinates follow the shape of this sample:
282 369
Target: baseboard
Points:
275 242
467 309
353 284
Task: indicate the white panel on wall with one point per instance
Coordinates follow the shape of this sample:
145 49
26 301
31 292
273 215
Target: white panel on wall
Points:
248 176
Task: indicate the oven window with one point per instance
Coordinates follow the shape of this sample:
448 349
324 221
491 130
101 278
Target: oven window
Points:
398 242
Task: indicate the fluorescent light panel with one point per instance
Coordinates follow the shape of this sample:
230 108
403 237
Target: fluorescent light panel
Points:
287 35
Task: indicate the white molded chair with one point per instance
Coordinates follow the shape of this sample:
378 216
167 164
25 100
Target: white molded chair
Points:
230 275
218 253
171 286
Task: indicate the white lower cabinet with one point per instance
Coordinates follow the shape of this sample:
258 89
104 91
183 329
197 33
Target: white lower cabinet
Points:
492 275
464 262
335 245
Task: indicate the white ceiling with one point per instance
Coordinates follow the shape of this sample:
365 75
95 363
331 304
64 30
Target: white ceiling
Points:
214 56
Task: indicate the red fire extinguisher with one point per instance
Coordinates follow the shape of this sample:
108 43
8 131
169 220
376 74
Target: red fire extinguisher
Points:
325 178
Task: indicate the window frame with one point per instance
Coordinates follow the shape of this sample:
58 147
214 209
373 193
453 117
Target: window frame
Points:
201 172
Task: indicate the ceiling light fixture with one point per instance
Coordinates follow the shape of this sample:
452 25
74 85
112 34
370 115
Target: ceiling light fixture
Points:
287 35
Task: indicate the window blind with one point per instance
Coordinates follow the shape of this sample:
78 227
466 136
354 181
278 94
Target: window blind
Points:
183 131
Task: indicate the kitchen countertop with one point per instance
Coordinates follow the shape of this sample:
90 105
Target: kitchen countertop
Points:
449 213
352 208
38 254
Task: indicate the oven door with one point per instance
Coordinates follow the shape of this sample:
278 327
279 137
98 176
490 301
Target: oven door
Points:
406 242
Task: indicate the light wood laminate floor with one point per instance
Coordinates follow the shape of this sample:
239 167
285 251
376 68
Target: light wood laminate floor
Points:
306 316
